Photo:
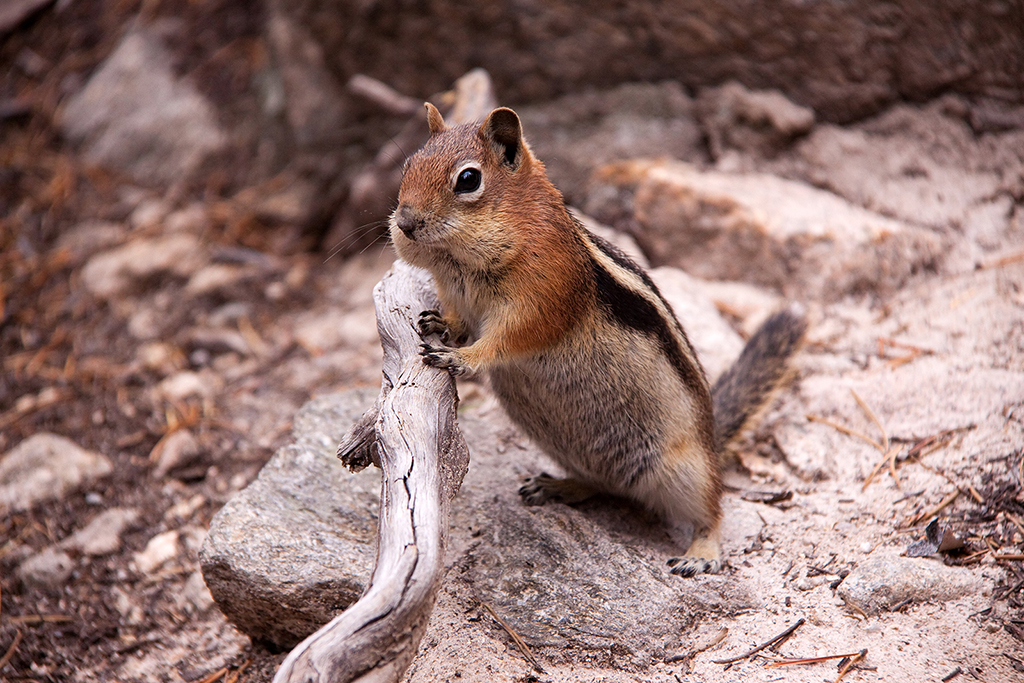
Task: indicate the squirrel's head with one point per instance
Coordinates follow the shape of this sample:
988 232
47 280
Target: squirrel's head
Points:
462 191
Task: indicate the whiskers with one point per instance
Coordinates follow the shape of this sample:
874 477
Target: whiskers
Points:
358 235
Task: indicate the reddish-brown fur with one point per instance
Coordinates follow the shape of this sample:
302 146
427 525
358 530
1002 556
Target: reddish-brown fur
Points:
541 284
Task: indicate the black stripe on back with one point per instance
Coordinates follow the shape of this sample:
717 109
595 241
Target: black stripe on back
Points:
636 312
633 310
620 258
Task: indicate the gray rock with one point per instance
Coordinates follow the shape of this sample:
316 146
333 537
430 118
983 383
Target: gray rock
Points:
748 304
566 585
844 59
580 583
48 568
89 237
882 583
44 467
204 383
758 228
136 116
196 596
102 535
919 165
313 104
296 547
159 550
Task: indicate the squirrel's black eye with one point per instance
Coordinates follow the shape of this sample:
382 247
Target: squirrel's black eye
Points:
468 181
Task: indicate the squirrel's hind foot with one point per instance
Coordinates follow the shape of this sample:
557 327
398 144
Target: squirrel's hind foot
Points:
703 557
544 488
688 566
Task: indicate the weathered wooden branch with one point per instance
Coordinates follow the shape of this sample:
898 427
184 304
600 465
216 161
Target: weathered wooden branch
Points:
384 96
411 433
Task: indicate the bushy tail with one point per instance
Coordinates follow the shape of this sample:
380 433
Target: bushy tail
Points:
745 388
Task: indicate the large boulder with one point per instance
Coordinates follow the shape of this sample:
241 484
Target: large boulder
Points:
845 60
296 547
758 228
136 116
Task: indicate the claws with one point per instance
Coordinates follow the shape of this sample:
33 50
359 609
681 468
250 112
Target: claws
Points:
544 488
445 358
536 490
692 566
431 322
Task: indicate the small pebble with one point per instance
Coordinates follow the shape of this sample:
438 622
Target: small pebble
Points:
102 536
160 550
48 568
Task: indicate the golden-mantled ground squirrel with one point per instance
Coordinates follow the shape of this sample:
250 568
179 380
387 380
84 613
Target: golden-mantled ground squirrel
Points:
581 348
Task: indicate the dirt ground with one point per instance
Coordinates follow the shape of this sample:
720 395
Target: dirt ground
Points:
284 323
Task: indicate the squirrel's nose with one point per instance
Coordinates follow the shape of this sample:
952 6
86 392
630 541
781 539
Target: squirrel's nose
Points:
408 221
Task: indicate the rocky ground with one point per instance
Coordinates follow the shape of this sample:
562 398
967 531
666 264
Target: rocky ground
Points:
158 348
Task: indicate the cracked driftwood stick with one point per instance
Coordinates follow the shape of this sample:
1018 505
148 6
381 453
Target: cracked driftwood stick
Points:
411 433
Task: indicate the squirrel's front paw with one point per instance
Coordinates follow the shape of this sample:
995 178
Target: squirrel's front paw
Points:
444 357
431 322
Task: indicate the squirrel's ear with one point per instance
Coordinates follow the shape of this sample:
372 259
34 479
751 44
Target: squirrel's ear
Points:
503 131
434 119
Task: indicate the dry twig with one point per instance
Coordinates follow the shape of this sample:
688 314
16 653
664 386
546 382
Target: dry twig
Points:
978 499
10 651
523 647
934 511
849 665
719 637
1015 521
845 430
1000 261
384 96
777 640
413 421
952 674
930 444
41 619
890 458
233 678
874 418
892 467
974 557
809 660
216 675
915 352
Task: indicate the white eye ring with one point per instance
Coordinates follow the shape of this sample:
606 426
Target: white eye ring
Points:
468 182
